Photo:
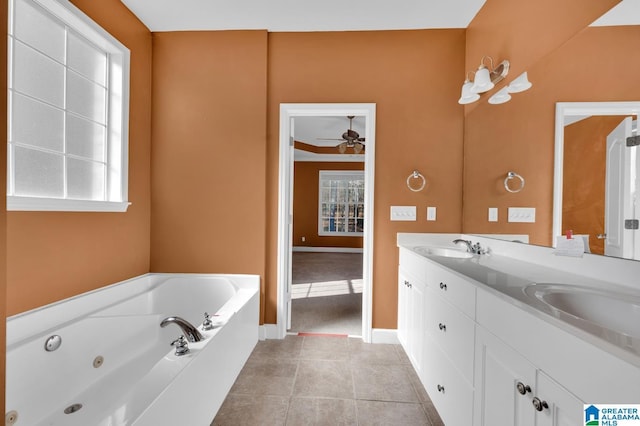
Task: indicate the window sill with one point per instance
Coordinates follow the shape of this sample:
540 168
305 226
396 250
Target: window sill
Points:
35 204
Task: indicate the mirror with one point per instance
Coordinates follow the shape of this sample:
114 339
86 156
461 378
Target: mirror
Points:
596 176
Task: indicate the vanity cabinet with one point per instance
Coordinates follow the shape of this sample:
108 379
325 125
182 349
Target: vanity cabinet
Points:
411 312
511 391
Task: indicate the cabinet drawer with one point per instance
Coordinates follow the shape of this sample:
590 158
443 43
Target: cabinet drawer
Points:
454 289
453 331
450 393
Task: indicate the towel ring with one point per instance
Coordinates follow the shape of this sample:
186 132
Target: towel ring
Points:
416 175
511 176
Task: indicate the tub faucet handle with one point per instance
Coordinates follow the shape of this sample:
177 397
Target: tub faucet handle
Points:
181 344
207 324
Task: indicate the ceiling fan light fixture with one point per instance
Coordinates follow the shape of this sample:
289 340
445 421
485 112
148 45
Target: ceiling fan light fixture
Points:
342 148
357 147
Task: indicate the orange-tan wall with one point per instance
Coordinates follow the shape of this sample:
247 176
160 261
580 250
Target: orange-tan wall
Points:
583 178
209 149
305 205
414 79
52 256
519 135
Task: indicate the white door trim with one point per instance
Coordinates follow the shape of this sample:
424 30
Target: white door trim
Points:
287 112
564 109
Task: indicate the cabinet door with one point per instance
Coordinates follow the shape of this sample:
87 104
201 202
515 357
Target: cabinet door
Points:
403 309
416 325
562 407
504 384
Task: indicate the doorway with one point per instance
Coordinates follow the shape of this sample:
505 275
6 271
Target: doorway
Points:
288 114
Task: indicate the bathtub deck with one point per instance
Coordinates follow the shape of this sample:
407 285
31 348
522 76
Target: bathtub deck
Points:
331 380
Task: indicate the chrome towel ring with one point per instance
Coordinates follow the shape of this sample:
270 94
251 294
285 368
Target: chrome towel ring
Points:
513 176
416 175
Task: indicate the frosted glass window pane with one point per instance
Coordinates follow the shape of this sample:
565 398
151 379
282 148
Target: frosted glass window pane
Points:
86 98
85 138
38 174
38 76
86 59
39 29
85 180
37 124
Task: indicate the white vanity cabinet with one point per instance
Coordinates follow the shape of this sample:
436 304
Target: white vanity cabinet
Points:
411 312
510 391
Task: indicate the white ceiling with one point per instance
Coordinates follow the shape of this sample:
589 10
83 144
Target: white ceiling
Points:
303 15
313 130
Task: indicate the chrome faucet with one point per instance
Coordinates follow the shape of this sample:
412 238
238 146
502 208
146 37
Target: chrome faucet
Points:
192 333
471 248
467 243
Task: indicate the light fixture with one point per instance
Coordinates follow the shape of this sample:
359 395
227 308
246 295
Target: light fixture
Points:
520 84
500 97
357 147
467 96
486 79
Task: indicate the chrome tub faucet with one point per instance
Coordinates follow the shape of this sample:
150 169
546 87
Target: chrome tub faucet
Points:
192 333
471 248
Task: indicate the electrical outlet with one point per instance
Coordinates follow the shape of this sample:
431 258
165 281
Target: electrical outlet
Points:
493 214
431 213
403 213
522 214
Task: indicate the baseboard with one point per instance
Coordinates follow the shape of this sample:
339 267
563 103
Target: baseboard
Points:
268 331
327 249
384 335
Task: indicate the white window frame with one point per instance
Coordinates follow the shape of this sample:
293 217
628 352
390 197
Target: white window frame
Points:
338 175
117 116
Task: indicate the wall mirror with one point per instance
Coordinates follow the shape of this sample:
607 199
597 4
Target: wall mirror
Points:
597 176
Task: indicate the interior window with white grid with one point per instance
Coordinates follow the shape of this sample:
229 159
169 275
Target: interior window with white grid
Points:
341 203
68 111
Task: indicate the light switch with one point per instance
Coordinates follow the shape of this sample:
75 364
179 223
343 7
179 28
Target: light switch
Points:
431 213
493 214
522 214
404 213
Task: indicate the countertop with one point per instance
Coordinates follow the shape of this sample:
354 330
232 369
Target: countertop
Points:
507 278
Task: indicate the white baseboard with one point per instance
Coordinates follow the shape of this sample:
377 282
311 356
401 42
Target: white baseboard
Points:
384 335
268 331
327 249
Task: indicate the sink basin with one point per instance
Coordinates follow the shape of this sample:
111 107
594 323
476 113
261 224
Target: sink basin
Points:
442 251
614 311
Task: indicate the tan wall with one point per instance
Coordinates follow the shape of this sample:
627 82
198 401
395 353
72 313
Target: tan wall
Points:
305 205
52 256
583 178
209 121
414 79
595 65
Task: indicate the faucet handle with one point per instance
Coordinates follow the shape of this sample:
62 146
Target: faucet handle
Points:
207 324
181 344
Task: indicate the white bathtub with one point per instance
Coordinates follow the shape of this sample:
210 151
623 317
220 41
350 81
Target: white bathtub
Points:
141 381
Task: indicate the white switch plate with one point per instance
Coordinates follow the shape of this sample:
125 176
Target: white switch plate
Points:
493 214
431 213
404 213
522 214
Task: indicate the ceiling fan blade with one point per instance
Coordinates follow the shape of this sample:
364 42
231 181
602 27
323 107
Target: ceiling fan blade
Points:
328 139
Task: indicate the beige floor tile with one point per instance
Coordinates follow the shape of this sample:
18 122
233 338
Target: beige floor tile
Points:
249 410
321 412
432 414
404 359
417 384
361 352
381 413
289 348
320 378
326 348
383 383
266 376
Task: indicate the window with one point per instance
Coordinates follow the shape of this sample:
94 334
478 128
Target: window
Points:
68 111
341 203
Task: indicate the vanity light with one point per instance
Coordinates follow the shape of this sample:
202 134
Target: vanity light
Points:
520 84
500 97
486 79
467 95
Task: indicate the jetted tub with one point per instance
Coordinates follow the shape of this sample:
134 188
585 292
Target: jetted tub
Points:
115 365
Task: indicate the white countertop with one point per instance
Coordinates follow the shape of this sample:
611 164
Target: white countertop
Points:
508 276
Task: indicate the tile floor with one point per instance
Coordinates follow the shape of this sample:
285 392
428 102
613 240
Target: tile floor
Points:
317 380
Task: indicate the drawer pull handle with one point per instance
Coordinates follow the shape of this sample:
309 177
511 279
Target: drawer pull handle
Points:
443 286
539 405
440 389
522 388
442 327
407 283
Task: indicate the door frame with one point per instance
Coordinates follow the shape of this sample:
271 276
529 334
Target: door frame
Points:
577 108
285 203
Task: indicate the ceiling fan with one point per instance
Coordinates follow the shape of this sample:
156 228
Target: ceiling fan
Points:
350 138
